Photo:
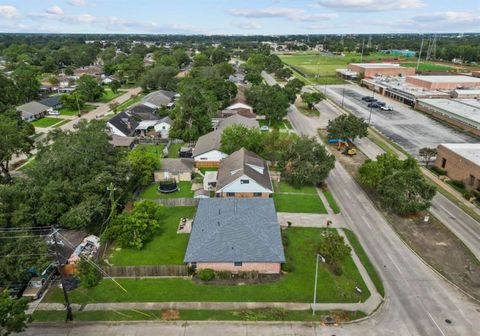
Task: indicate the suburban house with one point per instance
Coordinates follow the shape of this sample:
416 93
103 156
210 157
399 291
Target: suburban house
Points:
160 127
239 108
178 169
236 235
122 124
144 111
244 174
92 70
159 98
207 151
53 103
32 111
237 119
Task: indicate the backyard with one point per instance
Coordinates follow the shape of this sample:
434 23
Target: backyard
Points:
151 192
295 286
284 124
174 150
166 248
46 122
303 199
157 150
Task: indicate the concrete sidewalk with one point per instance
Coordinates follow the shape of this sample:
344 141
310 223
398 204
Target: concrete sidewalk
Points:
311 220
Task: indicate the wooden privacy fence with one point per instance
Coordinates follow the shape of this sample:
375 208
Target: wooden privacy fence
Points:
183 201
146 271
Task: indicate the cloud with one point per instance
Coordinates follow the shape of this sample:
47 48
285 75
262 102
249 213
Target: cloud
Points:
79 3
117 24
55 10
371 5
9 12
249 25
292 14
460 17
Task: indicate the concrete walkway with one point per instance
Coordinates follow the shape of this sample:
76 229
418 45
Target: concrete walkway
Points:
310 220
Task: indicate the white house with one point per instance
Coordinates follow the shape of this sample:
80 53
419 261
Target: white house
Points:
244 174
207 150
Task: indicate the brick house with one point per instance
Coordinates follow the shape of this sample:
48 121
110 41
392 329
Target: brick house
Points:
230 234
244 174
462 163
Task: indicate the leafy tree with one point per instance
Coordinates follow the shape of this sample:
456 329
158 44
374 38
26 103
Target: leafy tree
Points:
334 249
88 274
270 101
273 63
399 184
427 154
312 98
10 94
132 229
68 71
89 88
181 57
167 60
305 161
143 163
159 77
283 73
13 318
220 55
238 136
114 86
274 144
15 140
254 77
26 82
223 90
224 69
347 126
73 101
200 60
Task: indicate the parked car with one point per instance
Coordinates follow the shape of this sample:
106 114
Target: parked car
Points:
373 104
386 108
381 103
370 100
54 112
16 289
264 129
35 288
365 98
185 152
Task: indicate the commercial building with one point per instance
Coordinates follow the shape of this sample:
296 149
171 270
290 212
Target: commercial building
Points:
236 235
443 82
461 162
462 113
466 93
385 69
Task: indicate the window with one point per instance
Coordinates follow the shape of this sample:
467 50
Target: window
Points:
244 181
203 158
257 194
193 264
230 194
472 180
444 162
237 263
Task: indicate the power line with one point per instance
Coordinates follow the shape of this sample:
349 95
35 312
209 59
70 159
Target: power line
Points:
31 236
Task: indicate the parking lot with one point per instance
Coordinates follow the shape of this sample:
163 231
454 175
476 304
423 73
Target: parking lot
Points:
408 128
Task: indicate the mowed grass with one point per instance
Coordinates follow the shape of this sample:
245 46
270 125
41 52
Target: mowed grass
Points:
156 150
109 95
73 112
296 286
196 315
46 122
429 66
151 192
331 201
166 248
304 203
362 255
174 150
130 102
285 187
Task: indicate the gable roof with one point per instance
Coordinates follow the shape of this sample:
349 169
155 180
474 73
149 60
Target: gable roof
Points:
32 109
239 106
208 142
51 101
238 119
159 98
176 165
141 108
235 229
240 163
124 123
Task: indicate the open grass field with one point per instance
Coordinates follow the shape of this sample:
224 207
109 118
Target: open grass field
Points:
70 112
151 192
46 122
166 248
426 66
295 286
196 315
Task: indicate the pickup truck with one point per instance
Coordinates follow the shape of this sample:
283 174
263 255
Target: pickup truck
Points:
35 288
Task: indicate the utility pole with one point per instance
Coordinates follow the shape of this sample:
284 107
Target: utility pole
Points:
65 294
371 108
113 204
316 281
343 94
420 54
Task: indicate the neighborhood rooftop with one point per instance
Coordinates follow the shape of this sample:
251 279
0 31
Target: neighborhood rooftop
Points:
235 229
469 151
208 142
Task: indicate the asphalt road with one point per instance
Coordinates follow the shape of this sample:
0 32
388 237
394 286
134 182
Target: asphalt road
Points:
408 128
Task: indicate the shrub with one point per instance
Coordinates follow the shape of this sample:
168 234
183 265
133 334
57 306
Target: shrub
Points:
468 195
337 270
287 267
207 274
224 275
253 275
438 170
289 223
88 274
458 184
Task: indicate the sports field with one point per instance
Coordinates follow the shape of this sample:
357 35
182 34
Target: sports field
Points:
426 66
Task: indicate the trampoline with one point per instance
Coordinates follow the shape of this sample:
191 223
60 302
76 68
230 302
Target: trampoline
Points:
168 186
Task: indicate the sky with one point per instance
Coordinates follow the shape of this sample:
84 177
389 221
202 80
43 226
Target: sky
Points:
244 17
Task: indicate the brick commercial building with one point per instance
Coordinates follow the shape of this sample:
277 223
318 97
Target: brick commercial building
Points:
385 69
444 82
462 163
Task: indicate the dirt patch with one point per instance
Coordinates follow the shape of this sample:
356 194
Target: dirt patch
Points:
170 314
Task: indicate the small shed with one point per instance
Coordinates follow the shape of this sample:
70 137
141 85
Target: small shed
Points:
210 180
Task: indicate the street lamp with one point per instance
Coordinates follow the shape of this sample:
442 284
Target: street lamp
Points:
371 108
343 94
319 257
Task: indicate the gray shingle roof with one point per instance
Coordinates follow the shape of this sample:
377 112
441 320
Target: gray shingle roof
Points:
237 119
51 101
241 163
235 229
176 165
208 142
159 98
31 109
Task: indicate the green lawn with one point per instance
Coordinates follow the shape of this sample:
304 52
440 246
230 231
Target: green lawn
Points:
109 95
46 122
151 192
284 124
205 169
166 248
285 187
299 203
130 102
425 66
331 202
70 112
296 286
174 150
195 315
372 272
63 122
28 164
157 150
